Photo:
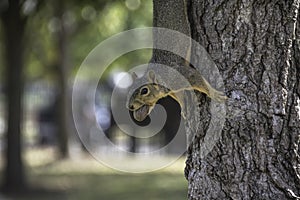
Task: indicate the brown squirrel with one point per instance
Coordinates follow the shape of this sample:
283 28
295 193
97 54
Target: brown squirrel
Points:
143 99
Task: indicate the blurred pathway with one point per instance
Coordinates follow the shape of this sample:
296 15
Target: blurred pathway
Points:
4 198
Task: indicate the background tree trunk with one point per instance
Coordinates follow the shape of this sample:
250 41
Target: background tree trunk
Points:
255 45
62 66
13 27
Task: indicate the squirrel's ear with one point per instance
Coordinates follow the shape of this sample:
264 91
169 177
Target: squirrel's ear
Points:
134 76
151 76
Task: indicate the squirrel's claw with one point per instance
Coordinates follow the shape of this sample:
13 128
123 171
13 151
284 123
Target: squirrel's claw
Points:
219 96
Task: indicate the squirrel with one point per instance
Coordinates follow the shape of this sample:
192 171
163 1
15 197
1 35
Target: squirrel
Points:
142 100
159 81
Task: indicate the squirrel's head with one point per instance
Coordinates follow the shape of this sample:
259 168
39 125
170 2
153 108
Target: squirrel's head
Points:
144 98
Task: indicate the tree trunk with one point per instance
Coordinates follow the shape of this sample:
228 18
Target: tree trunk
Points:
13 27
256 47
62 67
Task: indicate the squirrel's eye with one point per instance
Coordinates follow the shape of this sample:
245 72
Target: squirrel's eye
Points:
144 91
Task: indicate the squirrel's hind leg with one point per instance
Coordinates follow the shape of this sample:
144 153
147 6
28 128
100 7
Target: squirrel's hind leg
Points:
217 96
212 93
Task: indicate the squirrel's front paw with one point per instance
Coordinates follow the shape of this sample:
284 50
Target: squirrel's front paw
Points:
183 115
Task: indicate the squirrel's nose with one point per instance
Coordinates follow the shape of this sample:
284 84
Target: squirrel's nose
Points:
129 107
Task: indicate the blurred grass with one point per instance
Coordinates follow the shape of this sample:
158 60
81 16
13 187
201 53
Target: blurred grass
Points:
84 178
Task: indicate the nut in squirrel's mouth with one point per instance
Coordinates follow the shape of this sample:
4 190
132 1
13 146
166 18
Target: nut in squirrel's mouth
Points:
141 113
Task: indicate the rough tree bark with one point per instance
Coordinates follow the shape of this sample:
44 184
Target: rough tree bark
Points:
256 46
13 27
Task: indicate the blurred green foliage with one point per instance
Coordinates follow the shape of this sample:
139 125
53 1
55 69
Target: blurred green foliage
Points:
89 23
